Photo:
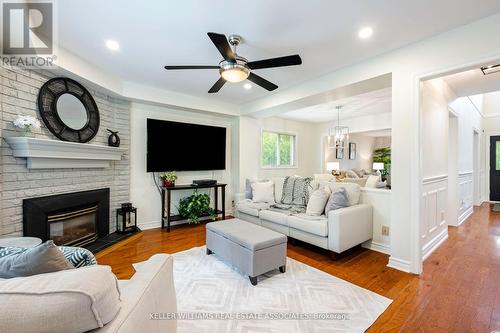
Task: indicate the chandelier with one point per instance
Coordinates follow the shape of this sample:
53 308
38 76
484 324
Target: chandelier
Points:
338 135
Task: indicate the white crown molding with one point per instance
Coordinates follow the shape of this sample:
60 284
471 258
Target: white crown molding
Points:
46 153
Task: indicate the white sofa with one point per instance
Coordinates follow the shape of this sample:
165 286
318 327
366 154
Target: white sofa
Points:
86 298
341 230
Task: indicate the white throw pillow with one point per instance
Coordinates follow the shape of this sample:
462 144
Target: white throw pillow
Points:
263 192
351 174
317 202
372 181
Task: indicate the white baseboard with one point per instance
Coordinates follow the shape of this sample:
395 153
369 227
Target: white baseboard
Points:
433 244
465 215
149 225
376 246
399 264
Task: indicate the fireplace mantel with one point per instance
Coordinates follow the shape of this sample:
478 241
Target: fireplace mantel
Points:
49 154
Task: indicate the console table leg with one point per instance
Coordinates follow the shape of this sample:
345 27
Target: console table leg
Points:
216 199
223 192
162 208
168 211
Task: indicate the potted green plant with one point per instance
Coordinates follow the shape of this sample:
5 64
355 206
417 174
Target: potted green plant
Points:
196 206
168 179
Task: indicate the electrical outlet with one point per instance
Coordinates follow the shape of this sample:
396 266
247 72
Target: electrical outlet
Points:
385 230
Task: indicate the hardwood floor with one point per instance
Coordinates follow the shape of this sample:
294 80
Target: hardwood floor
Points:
457 292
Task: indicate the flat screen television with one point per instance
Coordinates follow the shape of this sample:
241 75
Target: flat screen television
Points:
174 146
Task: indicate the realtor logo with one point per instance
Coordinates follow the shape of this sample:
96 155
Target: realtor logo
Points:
27 33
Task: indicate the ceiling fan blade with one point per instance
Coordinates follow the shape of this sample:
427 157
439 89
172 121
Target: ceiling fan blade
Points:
222 45
262 82
191 67
276 62
216 87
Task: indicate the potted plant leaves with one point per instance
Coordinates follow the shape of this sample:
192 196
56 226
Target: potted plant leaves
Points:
168 179
196 206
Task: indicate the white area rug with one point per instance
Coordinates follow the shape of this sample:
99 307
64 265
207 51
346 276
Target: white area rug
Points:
205 284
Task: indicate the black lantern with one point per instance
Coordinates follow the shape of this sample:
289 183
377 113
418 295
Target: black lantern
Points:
126 218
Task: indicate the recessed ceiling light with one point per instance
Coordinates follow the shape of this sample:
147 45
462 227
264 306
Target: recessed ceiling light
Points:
112 45
247 86
365 33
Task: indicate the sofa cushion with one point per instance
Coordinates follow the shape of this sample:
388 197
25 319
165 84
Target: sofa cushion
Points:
372 181
75 300
44 258
263 192
317 202
337 200
274 216
251 208
353 191
317 225
248 186
278 187
351 174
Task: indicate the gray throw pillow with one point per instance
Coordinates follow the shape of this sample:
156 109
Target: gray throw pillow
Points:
44 258
248 186
337 200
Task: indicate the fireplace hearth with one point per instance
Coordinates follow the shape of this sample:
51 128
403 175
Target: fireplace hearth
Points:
71 219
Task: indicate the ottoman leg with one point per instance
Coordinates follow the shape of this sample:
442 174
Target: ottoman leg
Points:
209 252
253 280
283 269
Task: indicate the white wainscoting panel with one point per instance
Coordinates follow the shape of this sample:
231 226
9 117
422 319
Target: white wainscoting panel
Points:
433 225
465 195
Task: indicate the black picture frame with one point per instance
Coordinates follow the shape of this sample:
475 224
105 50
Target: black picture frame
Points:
352 151
47 106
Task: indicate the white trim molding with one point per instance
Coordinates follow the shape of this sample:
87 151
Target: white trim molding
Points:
399 264
376 246
434 179
432 245
46 153
465 215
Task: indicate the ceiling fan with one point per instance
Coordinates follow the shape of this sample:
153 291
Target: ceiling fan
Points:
235 68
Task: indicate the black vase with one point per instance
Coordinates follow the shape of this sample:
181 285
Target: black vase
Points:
113 139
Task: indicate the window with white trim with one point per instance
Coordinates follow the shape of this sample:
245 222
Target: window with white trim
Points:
277 150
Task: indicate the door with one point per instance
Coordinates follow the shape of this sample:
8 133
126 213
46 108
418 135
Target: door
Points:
495 168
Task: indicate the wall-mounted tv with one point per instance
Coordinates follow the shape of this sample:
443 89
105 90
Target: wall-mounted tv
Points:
174 146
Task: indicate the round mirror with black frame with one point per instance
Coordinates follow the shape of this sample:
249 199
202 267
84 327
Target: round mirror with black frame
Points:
68 110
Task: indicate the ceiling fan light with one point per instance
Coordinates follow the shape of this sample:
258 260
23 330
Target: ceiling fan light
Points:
232 72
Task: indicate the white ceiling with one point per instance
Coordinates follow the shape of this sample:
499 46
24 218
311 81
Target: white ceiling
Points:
371 103
473 82
155 33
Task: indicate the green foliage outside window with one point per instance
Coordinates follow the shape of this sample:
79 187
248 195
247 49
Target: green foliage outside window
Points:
498 155
277 149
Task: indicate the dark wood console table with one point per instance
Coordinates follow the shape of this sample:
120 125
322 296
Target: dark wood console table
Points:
167 191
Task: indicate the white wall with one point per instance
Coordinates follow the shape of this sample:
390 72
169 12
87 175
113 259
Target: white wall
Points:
380 200
250 140
143 192
436 95
437 100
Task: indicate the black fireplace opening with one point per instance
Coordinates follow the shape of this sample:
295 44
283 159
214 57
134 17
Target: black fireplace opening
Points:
71 219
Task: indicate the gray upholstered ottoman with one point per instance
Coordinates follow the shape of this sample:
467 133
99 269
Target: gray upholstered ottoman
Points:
253 249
